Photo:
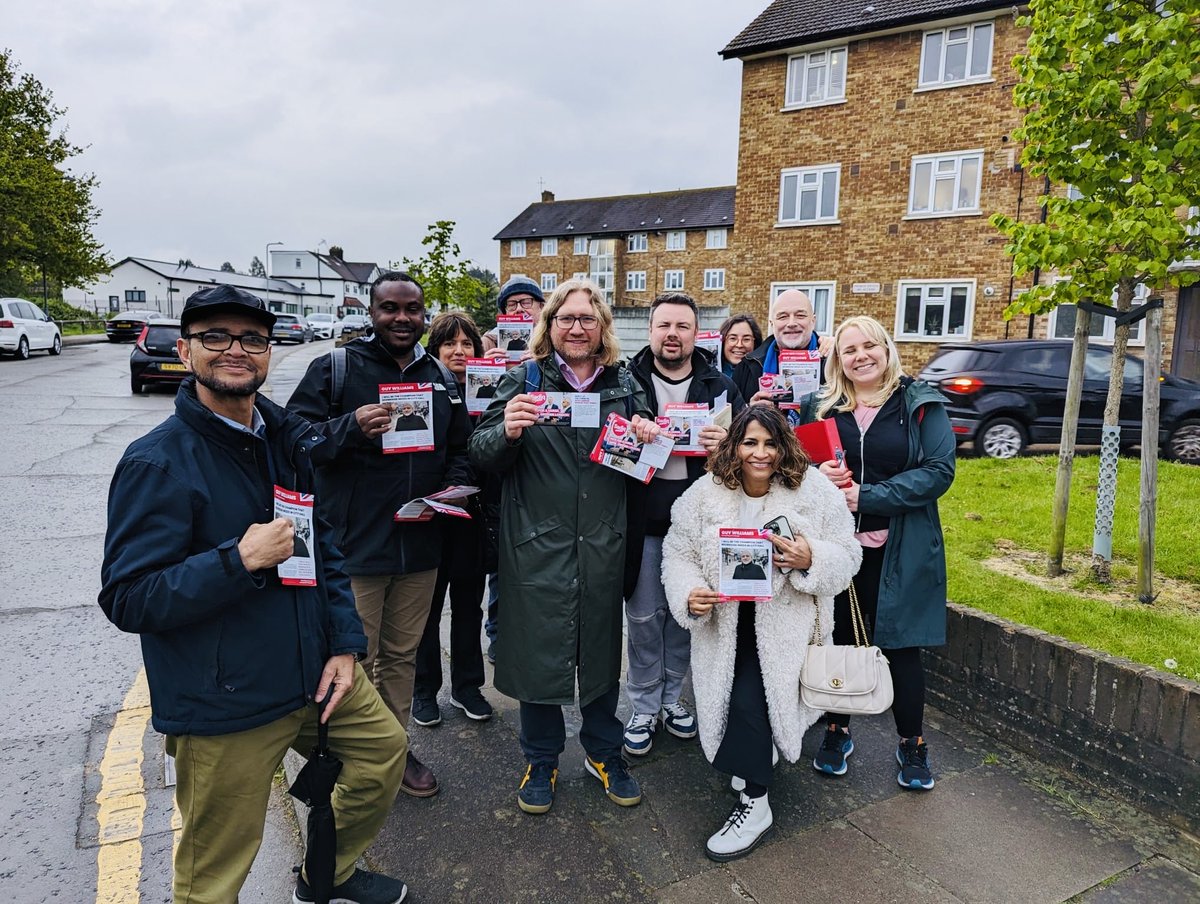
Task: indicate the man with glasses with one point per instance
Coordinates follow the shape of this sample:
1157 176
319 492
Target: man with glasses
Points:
241 661
793 328
563 519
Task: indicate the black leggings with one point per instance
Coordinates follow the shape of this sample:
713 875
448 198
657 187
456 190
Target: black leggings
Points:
908 675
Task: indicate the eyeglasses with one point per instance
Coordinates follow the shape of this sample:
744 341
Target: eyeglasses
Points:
567 321
525 304
221 341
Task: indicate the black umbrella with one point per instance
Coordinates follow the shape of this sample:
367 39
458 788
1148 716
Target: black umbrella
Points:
314 787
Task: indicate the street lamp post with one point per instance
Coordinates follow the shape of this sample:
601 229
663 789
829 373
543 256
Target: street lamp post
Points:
267 268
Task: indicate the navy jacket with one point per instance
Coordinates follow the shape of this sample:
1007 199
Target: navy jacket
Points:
751 367
225 650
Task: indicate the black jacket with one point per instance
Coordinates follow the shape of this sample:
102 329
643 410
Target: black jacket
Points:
225 650
360 488
750 368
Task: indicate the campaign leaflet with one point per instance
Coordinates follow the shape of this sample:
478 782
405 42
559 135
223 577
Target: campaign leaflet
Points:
746 564
710 341
439 503
483 376
514 334
619 449
411 429
567 409
300 569
682 422
802 373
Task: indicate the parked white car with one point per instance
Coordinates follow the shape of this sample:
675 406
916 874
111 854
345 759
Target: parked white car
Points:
25 328
322 325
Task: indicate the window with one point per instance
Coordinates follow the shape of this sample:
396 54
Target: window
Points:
714 280
809 194
579 275
944 184
676 240
1102 329
672 279
717 238
138 295
636 242
549 247
635 281
516 248
602 254
298 264
821 296
935 310
954 55
549 282
816 78
581 244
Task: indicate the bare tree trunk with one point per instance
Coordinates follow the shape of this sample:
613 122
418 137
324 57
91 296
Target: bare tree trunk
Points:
1148 501
1066 445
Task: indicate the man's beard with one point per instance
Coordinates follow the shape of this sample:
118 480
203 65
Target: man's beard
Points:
217 386
577 358
672 362
799 343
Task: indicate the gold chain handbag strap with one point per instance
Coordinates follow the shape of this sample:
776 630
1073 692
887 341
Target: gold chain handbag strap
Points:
856 620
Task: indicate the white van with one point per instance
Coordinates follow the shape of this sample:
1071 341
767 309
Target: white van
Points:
25 328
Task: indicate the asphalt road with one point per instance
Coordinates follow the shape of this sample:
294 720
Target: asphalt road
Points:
84 812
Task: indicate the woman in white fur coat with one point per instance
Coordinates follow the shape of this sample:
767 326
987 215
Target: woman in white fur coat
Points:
747 656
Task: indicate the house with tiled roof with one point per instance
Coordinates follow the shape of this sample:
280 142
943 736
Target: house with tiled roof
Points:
347 282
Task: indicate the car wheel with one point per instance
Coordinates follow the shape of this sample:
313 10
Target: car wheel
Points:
1001 437
136 386
56 346
23 349
1184 444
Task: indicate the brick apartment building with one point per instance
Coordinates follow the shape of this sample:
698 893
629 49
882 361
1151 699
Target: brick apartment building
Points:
875 140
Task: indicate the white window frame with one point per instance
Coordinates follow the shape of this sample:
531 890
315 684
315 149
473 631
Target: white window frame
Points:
549 247
581 244
580 275
549 282
677 240
516 248
822 310
635 280
1108 333
935 162
803 67
714 280
800 174
672 280
968 78
637 243
717 237
902 287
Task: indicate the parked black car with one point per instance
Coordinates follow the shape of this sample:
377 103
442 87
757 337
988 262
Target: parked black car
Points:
1006 395
154 359
291 328
125 326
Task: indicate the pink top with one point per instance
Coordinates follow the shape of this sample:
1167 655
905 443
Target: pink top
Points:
871 539
569 375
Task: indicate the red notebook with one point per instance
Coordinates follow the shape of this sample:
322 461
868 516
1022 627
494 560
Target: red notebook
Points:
820 440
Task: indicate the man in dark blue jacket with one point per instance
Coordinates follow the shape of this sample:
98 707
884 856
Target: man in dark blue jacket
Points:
793 328
237 659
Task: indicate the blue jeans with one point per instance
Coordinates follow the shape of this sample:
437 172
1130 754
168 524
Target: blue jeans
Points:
544 733
659 649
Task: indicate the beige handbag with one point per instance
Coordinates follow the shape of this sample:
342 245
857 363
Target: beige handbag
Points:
853 681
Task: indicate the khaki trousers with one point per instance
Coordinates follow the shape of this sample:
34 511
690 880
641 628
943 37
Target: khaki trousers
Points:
394 609
224 784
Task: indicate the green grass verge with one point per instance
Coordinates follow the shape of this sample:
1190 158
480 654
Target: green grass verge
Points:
1001 511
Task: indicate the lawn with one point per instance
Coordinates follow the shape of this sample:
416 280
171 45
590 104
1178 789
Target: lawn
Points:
997 521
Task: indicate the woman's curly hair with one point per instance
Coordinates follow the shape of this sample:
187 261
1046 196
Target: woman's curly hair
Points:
725 465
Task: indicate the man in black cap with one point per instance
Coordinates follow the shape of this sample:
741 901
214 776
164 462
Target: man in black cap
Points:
242 661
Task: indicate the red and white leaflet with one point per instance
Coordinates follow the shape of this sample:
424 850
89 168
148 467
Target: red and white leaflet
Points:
710 341
514 334
483 376
619 449
412 417
424 508
567 409
801 371
746 564
682 422
300 569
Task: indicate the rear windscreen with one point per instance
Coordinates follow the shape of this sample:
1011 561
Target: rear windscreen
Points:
955 360
161 338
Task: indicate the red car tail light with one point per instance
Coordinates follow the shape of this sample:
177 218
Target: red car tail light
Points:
141 339
963 385
6 324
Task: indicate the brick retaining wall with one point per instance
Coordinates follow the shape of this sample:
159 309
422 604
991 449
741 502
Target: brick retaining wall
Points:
1128 728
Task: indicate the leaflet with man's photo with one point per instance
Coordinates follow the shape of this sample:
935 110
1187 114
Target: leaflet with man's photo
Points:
710 341
300 569
483 376
567 409
618 448
514 334
682 422
801 371
411 428
745 568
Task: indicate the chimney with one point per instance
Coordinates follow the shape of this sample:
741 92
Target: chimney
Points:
547 196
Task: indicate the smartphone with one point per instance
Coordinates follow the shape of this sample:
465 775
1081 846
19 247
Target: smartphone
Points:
781 527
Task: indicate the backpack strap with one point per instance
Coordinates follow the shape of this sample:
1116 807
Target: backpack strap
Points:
449 381
337 380
533 376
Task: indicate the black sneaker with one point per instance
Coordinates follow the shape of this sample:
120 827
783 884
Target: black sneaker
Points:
835 747
473 704
536 792
425 711
913 757
621 787
361 888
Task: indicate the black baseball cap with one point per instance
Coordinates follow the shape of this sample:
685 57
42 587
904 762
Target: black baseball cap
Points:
224 299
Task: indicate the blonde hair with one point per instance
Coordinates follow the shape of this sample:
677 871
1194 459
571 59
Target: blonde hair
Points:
838 393
609 352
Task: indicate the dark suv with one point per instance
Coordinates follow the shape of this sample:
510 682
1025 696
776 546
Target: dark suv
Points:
1006 395
154 359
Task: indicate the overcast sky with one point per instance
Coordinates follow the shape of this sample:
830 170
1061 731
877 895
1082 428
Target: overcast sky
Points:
217 127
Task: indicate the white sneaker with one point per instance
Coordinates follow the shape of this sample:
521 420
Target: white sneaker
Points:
746 826
639 734
739 784
678 721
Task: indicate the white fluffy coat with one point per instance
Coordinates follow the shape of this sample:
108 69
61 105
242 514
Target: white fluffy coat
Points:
817 511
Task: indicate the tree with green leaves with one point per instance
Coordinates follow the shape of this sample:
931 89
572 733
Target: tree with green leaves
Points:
257 268
227 268
1109 92
444 275
46 211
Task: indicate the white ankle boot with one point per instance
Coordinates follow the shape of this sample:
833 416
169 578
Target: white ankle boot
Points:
739 784
746 826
